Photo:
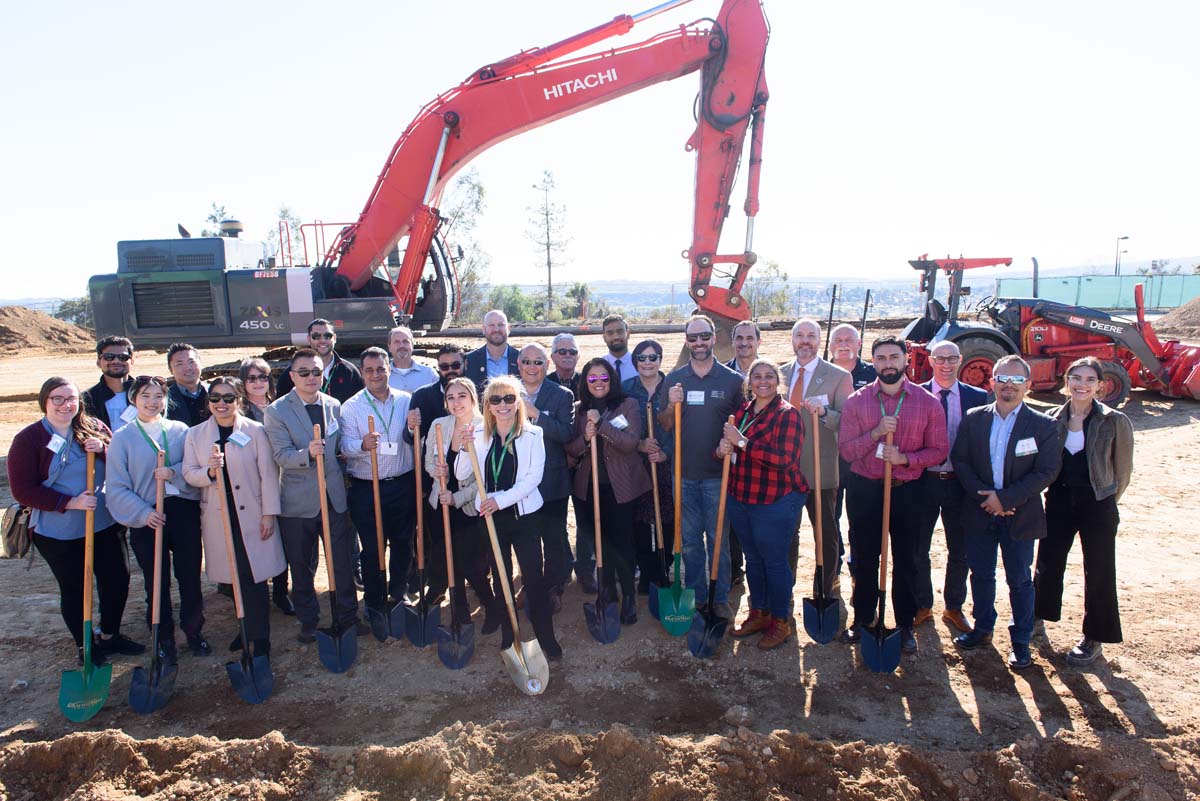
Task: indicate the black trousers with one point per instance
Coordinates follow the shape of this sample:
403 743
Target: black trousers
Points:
554 542
1071 511
469 546
943 497
524 535
435 548
398 509
645 540
181 546
584 560
256 601
616 539
301 536
864 502
65 558
830 539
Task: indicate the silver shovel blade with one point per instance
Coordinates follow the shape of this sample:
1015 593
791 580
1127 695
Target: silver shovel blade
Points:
528 669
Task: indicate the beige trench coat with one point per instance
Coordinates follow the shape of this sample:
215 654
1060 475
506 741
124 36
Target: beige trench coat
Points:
255 479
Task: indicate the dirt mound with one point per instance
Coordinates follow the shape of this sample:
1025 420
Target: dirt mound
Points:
502 761
29 330
1182 323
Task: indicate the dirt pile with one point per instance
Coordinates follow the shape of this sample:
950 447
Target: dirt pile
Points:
1181 323
502 761
27 330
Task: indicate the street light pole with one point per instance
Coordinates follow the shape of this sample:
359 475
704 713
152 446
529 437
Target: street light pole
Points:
1117 260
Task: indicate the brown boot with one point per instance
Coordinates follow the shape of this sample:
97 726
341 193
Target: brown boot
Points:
756 622
779 632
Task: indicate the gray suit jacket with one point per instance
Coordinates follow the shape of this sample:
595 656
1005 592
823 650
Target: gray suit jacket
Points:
1024 476
835 384
289 430
557 421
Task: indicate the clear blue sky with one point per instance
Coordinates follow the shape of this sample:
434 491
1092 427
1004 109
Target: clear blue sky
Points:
894 129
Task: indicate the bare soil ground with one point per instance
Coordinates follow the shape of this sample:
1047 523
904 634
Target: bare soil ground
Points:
642 719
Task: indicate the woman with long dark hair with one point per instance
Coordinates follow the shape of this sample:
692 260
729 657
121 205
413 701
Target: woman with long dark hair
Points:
605 415
47 472
648 387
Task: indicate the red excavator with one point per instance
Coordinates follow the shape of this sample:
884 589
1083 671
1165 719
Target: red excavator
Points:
388 266
1048 335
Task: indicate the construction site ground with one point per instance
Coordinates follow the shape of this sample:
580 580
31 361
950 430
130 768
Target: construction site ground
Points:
641 718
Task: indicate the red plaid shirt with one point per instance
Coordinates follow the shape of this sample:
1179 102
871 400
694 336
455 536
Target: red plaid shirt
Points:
769 467
920 434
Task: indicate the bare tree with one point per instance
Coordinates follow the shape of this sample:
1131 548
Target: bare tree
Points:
547 226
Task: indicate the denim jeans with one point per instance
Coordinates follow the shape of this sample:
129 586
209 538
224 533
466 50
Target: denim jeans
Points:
767 531
1018 559
700 500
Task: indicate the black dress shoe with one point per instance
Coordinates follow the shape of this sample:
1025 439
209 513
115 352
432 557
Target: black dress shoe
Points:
1020 658
284 604
628 610
98 657
236 645
908 640
852 635
973 639
118 644
587 584
225 589
492 617
198 645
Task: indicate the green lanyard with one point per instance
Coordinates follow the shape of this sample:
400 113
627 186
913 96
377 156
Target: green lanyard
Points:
496 466
749 419
166 451
900 405
387 426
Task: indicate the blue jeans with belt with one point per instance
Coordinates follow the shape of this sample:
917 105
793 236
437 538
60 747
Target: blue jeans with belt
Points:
1018 561
699 523
767 531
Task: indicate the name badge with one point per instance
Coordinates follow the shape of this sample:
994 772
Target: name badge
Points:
389 449
718 394
619 422
695 397
240 438
879 450
130 414
56 443
170 489
820 400
1026 446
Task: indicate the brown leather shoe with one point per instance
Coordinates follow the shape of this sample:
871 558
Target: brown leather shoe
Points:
779 631
756 622
924 615
957 619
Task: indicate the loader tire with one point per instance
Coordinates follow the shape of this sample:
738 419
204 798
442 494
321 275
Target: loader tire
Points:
1114 384
978 357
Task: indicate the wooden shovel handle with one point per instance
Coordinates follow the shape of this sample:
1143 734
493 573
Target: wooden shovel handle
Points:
658 537
496 555
716 558
227 526
160 491
325 516
678 483
887 518
819 506
89 538
441 457
375 494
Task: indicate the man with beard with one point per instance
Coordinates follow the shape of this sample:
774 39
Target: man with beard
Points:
708 393
106 401
407 374
496 357
846 345
565 355
1005 455
187 398
891 405
341 379
746 338
615 331
812 384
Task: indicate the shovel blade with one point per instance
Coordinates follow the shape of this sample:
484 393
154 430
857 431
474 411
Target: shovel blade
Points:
150 690
419 626
881 649
83 692
455 645
378 619
705 634
337 649
676 608
252 679
652 600
603 621
528 669
822 619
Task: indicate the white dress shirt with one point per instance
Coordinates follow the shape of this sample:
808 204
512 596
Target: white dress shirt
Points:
410 379
809 368
390 419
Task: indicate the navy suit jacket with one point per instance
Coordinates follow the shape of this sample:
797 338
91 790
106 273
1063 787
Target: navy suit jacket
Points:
557 421
968 396
475 365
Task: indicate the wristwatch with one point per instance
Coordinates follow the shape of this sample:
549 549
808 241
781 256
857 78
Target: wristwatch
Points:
743 442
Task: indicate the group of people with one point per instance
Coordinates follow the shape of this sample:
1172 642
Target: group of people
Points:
813 436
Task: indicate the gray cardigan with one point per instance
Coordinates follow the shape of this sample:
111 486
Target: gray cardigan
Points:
129 481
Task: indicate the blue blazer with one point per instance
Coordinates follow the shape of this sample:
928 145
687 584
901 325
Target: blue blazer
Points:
556 405
968 396
475 365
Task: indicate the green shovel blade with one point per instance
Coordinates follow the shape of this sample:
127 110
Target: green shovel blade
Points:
83 692
676 604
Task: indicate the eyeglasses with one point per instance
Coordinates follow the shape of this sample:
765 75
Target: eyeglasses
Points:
63 400
533 362
444 366
947 359
150 379
1010 379
224 397
601 378
566 351
326 335
254 379
507 400
116 357
647 357
703 336
305 372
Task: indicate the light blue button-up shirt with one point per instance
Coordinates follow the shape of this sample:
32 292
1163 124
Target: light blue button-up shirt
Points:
1002 428
115 406
497 367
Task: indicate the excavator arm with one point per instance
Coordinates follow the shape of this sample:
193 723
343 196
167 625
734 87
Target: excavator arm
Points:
538 86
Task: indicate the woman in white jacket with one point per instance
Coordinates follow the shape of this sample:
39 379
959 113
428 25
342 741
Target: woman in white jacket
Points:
130 487
511 457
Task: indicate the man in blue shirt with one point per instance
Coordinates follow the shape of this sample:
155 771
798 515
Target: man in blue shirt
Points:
407 374
496 357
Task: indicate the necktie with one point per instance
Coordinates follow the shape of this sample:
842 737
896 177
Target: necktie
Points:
945 393
617 367
796 396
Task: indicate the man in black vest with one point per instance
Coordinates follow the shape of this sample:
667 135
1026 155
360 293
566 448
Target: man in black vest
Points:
106 401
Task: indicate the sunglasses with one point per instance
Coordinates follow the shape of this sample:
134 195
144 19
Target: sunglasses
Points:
306 372
63 400
443 366
116 357
533 362
150 379
566 352
601 378
647 357
1010 379
703 337
947 359
327 335
254 379
223 397
507 400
